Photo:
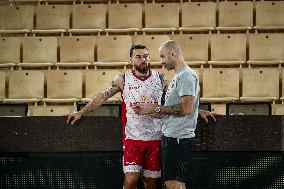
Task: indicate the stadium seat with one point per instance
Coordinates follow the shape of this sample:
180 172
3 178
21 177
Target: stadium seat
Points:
39 51
25 87
88 18
219 109
12 110
269 15
152 42
63 86
198 16
161 17
220 85
266 49
9 51
235 15
277 109
113 50
260 84
249 108
194 47
97 81
124 17
51 110
52 19
2 86
76 51
228 49
16 19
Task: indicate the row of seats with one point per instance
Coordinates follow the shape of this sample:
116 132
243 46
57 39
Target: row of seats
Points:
158 17
224 49
115 109
66 86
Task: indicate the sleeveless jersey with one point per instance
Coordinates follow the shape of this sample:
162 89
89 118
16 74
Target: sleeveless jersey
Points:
136 91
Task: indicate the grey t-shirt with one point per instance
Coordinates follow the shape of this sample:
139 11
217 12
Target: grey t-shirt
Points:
184 83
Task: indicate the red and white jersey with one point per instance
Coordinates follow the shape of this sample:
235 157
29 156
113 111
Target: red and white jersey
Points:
136 91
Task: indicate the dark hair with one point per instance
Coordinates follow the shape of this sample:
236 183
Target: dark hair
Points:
139 46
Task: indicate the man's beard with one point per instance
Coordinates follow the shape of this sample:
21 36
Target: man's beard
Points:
170 65
144 69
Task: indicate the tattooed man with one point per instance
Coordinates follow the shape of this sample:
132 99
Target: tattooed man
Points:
141 133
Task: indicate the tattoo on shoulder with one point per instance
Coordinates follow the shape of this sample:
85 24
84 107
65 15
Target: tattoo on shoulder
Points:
112 89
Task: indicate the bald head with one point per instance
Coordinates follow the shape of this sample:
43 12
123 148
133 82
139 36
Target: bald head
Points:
171 46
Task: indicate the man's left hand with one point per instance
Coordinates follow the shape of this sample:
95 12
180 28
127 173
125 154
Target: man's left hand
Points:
204 114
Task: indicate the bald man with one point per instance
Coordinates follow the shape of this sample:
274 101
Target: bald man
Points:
179 116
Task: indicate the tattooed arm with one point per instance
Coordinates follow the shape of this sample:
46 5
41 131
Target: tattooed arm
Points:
184 108
114 87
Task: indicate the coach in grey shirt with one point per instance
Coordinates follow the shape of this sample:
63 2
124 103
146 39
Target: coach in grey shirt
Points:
179 116
184 83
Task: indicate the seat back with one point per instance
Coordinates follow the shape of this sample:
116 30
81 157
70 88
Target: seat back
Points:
228 47
113 48
16 17
50 17
87 16
198 14
13 109
63 84
269 13
260 83
26 84
123 16
77 48
51 110
236 14
10 49
221 83
39 49
155 14
266 46
194 46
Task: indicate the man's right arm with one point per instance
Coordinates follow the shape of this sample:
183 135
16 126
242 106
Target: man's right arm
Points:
114 87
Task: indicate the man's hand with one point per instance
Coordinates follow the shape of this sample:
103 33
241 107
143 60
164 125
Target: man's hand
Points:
204 114
144 109
74 117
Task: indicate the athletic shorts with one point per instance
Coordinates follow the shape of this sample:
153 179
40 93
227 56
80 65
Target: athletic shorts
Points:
142 155
176 158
